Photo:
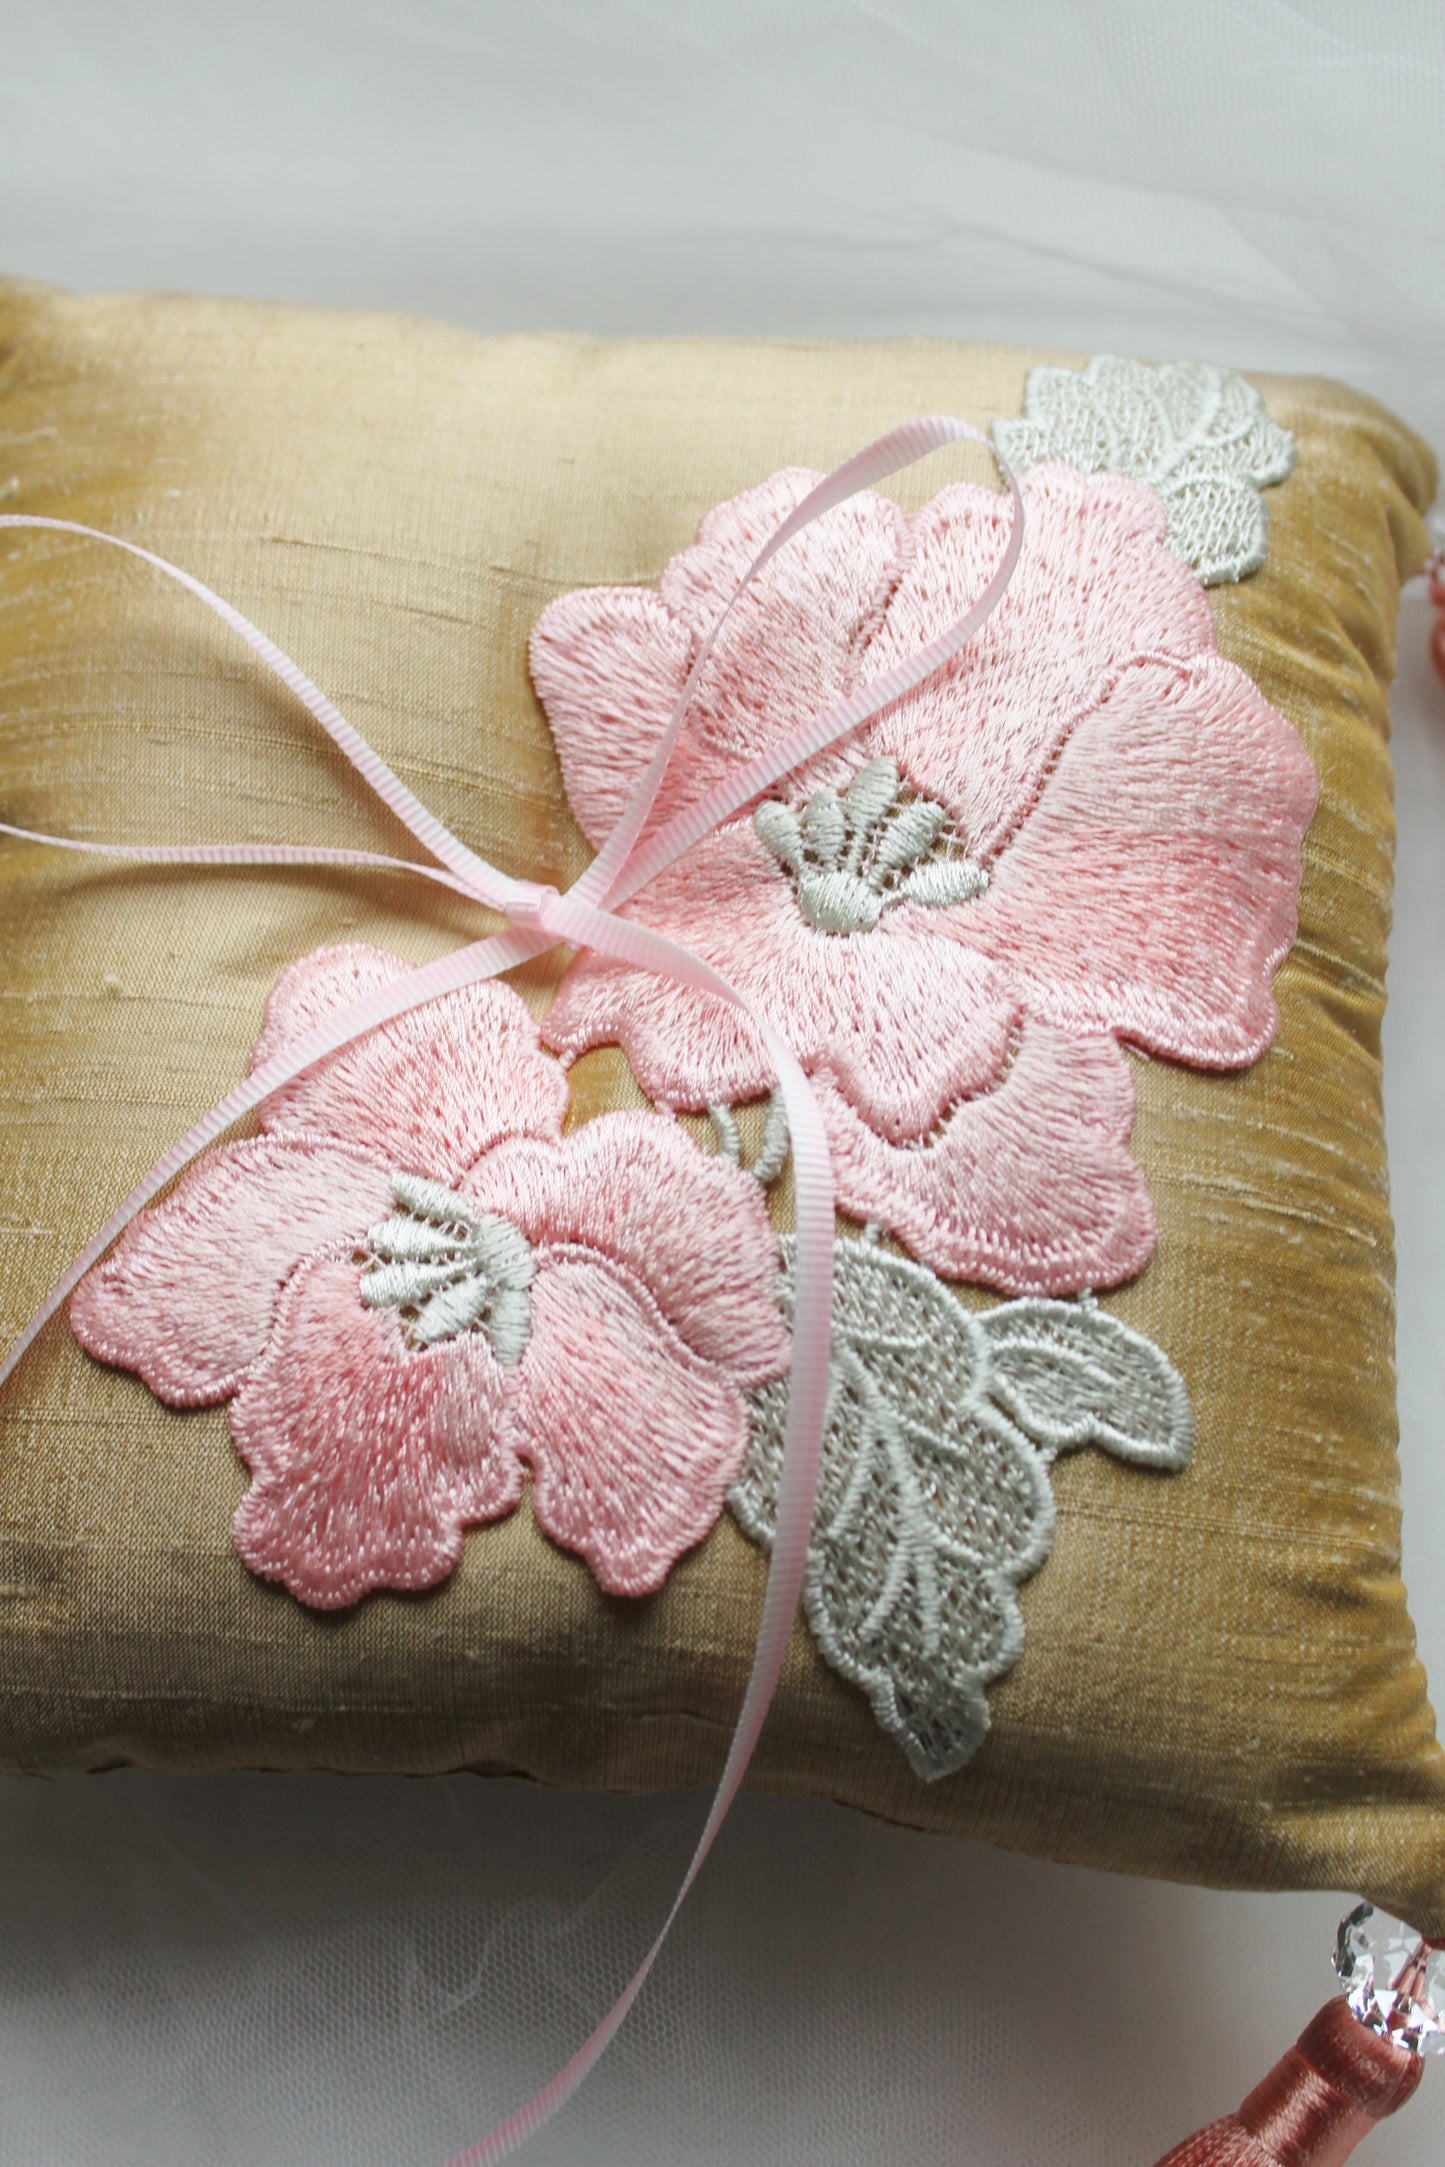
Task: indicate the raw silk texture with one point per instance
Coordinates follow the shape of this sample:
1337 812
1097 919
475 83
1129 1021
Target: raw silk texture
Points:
1218 1682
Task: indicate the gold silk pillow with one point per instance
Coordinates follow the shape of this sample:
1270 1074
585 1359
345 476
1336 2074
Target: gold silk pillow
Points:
432 1421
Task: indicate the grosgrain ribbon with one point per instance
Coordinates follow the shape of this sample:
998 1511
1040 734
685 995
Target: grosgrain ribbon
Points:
585 917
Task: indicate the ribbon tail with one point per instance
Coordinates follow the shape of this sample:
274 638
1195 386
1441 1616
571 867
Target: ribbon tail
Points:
798 1479
242 854
481 880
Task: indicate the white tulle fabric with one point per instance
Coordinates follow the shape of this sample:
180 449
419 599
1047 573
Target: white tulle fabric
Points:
241 1969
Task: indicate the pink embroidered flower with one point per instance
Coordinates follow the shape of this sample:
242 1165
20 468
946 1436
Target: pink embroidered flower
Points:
1084 832
413 1289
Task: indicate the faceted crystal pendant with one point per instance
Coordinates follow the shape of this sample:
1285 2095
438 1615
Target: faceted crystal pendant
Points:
1394 1980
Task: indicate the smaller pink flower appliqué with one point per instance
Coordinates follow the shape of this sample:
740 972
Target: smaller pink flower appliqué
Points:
414 1291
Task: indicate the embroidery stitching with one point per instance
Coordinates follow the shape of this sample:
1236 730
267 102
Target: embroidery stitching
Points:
934 1501
1198 434
1120 815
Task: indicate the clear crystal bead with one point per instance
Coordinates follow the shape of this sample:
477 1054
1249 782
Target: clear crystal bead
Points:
1394 1980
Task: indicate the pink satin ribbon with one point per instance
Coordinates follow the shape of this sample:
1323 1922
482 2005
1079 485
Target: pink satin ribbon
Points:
585 918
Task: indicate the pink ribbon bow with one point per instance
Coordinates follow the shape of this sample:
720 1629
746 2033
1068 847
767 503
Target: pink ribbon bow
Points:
585 917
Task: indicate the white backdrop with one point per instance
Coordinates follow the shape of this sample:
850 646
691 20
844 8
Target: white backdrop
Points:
288 1970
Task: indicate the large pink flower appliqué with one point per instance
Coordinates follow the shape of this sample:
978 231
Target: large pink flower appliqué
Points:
413 1289
1084 832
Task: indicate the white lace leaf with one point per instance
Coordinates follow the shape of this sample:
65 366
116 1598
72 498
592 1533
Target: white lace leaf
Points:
1224 519
934 1501
1201 436
1071 1374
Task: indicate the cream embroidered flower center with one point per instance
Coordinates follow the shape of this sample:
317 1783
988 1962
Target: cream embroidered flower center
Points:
449 1269
854 856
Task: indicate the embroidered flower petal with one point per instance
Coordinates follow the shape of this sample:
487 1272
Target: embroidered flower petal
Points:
792 643
632 1437
1154 890
368 1457
684 1049
921 1025
694 1230
1094 587
188 1297
1029 1187
608 663
906 1023
428 1092
726 899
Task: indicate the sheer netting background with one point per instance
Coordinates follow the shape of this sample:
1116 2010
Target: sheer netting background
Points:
318 1970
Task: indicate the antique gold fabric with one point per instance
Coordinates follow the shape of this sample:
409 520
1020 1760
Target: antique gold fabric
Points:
1219 1682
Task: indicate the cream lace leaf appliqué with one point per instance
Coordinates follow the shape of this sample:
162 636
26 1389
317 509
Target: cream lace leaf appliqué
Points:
1197 434
934 1500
